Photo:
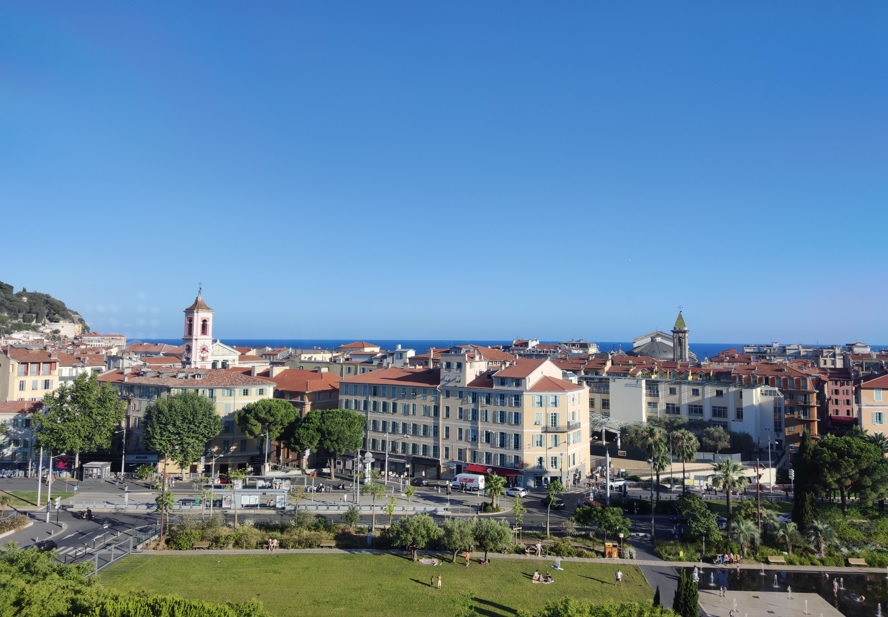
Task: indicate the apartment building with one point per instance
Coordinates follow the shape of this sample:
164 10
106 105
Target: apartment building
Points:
27 374
229 390
17 450
754 409
482 410
872 404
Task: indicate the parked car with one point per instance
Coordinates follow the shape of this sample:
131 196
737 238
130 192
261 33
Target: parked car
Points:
557 504
419 482
46 545
516 491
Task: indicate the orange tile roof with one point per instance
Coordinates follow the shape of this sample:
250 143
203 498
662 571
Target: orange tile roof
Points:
8 407
522 368
550 384
297 380
212 378
424 377
878 382
21 354
357 345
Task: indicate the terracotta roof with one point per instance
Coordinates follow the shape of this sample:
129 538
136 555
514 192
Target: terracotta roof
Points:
550 384
20 354
878 382
248 358
522 368
185 378
357 345
8 407
424 377
297 380
161 360
199 304
69 359
242 350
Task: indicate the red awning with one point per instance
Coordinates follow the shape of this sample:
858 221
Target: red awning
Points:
843 419
485 469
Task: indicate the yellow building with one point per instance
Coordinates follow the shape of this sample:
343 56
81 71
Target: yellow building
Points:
27 374
872 405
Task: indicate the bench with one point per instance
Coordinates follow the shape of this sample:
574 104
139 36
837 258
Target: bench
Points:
200 545
856 561
776 559
328 544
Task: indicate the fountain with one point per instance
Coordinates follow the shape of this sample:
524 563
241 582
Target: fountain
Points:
735 605
712 579
763 571
842 584
806 608
776 585
789 591
879 609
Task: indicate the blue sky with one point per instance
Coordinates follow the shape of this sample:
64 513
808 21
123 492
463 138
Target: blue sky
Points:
450 169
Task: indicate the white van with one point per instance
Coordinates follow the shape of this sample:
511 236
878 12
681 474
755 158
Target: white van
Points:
468 481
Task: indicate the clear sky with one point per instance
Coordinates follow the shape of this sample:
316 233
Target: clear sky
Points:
484 170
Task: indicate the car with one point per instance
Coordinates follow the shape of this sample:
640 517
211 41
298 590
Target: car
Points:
557 503
516 491
419 482
46 546
785 518
722 522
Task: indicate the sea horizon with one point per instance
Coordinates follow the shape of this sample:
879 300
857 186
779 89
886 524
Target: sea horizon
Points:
420 346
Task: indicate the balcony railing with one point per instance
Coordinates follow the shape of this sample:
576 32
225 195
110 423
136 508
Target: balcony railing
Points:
561 428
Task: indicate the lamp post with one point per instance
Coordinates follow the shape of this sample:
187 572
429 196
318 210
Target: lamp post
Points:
621 543
49 485
770 470
653 528
39 475
385 479
266 439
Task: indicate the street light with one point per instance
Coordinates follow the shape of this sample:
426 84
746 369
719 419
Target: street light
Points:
653 528
621 543
265 467
49 484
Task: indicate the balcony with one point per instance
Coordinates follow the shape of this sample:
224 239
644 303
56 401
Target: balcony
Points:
561 428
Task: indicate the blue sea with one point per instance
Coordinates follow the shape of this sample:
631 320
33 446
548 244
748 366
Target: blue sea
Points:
702 350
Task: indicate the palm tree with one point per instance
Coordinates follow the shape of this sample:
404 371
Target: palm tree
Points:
880 441
5 502
745 532
820 534
729 476
788 532
495 486
685 445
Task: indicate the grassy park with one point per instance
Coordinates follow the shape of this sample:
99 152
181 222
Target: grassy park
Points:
384 585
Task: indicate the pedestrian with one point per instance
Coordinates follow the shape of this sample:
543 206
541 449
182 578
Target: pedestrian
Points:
619 577
439 581
75 488
468 557
432 582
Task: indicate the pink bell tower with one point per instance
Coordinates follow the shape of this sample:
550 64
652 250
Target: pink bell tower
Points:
198 337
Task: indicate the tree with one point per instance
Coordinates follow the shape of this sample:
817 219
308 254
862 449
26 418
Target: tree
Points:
687 599
458 535
651 439
729 476
335 431
5 502
554 491
269 416
684 445
803 502
163 503
699 521
519 511
849 465
296 495
609 520
789 534
390 508
351 516
821 535
80 417
409 492
880 440
235 477
745 532
178 427
495 486
716 439
375 490
418 530
492 535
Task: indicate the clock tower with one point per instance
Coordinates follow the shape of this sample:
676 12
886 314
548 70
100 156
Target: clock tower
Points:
198 338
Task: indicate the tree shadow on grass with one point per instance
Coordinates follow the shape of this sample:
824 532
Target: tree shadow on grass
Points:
596 579
499 608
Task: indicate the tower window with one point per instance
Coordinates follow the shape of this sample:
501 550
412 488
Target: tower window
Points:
189 327
204 327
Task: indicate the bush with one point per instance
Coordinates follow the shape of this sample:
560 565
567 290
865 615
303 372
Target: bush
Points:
563 548
486 507
13 523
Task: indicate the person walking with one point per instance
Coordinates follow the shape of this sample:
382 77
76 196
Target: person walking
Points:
439 581
619 577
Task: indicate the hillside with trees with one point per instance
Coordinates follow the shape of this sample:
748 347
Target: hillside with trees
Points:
29 310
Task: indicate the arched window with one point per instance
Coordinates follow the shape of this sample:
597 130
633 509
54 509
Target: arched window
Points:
204 327
189 327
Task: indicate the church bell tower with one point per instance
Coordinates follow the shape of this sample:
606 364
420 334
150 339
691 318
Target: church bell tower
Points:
680 347
198 338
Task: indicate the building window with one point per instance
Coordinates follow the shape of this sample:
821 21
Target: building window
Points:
738 414
591 403
34 384
671 390
672 409
877 394
605 403
245 392
22 386
719 393
878 417
695 391
719 412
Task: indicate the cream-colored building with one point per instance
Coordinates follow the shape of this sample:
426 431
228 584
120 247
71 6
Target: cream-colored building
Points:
229 391
27 374
482 411
872 405
17 450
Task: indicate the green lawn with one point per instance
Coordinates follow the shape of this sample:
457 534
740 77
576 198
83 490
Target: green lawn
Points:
29 498
370 585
